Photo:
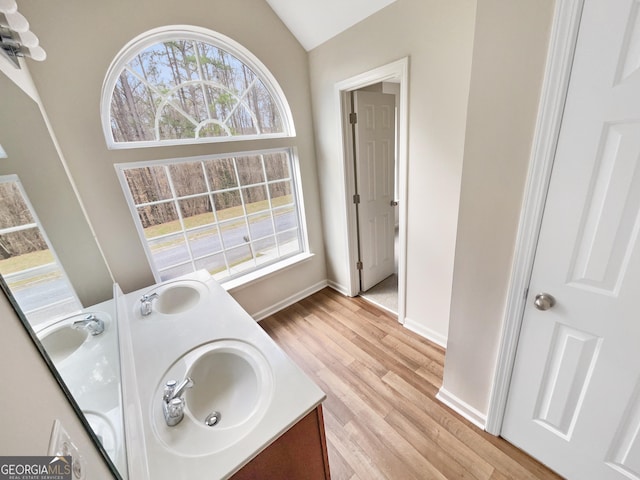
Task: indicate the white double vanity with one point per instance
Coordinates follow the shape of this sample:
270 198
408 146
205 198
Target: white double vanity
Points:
205 392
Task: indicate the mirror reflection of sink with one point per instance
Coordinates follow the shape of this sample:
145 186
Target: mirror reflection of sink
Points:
61 339
230 378
176 297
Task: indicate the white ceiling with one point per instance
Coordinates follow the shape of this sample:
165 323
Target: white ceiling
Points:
314 22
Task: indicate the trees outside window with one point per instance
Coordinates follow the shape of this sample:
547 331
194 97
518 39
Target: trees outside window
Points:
230 213
28 264
186 85
227 214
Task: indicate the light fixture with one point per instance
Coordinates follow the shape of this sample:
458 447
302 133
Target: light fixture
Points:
3 154
16 22
29 39
38 53
16 40
8 6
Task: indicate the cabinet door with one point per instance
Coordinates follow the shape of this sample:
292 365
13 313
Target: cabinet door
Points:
300 453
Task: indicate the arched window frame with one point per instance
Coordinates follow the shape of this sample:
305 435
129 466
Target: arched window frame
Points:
198 34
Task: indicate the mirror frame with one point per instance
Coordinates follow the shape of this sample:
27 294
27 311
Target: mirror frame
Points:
56 375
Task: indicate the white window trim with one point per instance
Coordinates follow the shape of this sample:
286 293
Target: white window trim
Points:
12 178
252 275
237 284
199 34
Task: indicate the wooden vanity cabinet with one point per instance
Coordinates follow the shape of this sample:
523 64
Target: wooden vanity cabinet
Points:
298 454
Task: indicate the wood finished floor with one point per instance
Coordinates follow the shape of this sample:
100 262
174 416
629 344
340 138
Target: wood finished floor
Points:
381 416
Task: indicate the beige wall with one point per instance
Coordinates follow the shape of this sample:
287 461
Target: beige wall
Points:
437 35
508 63
82 38
32 400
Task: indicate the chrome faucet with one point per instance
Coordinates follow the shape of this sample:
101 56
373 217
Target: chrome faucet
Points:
173 401
93 324
145 303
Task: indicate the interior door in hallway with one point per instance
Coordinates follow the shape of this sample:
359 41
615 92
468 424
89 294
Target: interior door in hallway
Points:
374 140
574 400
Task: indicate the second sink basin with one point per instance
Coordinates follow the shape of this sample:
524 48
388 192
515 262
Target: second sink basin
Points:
176 297
232 380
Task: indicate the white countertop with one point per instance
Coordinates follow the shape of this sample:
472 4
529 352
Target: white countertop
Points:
151 344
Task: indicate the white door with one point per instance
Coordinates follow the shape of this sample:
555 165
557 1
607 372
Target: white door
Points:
574 400
375 164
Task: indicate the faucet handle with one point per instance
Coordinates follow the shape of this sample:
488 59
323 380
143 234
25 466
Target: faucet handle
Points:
169 388
176 407
145 303
173 403
92 323
174 411
148 296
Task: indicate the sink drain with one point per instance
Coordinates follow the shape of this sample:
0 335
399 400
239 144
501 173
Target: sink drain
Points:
212 419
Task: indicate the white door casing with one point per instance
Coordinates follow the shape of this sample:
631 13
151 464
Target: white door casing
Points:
375 165
574 400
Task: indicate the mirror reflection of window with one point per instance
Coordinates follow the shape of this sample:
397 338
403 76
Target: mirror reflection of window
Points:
27 261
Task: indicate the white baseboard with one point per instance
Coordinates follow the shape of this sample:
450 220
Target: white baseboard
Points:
339 288
425 332
467 411
264 313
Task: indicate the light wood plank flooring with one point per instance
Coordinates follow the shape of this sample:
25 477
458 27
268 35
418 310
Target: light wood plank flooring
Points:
381 416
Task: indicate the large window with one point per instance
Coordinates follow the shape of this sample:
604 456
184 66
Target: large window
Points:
185 85
230 213
227 214
27 261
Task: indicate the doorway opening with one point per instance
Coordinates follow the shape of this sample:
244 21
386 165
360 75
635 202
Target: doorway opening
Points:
383 237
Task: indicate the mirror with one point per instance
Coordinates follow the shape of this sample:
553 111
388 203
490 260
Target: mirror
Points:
65 290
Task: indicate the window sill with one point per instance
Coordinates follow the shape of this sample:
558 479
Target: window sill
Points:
264 273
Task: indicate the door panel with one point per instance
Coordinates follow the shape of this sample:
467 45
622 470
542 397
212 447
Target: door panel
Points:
375 166
574 401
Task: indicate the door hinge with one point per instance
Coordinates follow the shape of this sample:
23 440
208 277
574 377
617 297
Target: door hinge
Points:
359 265
356 198
353 118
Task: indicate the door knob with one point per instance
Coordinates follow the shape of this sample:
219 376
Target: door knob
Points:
544 301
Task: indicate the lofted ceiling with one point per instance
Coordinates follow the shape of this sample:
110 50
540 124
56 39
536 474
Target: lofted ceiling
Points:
313 22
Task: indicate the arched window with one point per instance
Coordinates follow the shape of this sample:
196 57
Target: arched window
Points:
186 85
235 214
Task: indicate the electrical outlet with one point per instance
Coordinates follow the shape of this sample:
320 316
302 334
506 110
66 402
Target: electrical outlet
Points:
60 444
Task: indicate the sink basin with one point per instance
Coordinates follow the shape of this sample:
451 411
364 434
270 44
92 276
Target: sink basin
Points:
227 383
231 378
61 340
177 297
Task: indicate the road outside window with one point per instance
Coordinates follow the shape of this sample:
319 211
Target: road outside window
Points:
227 214
27 262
